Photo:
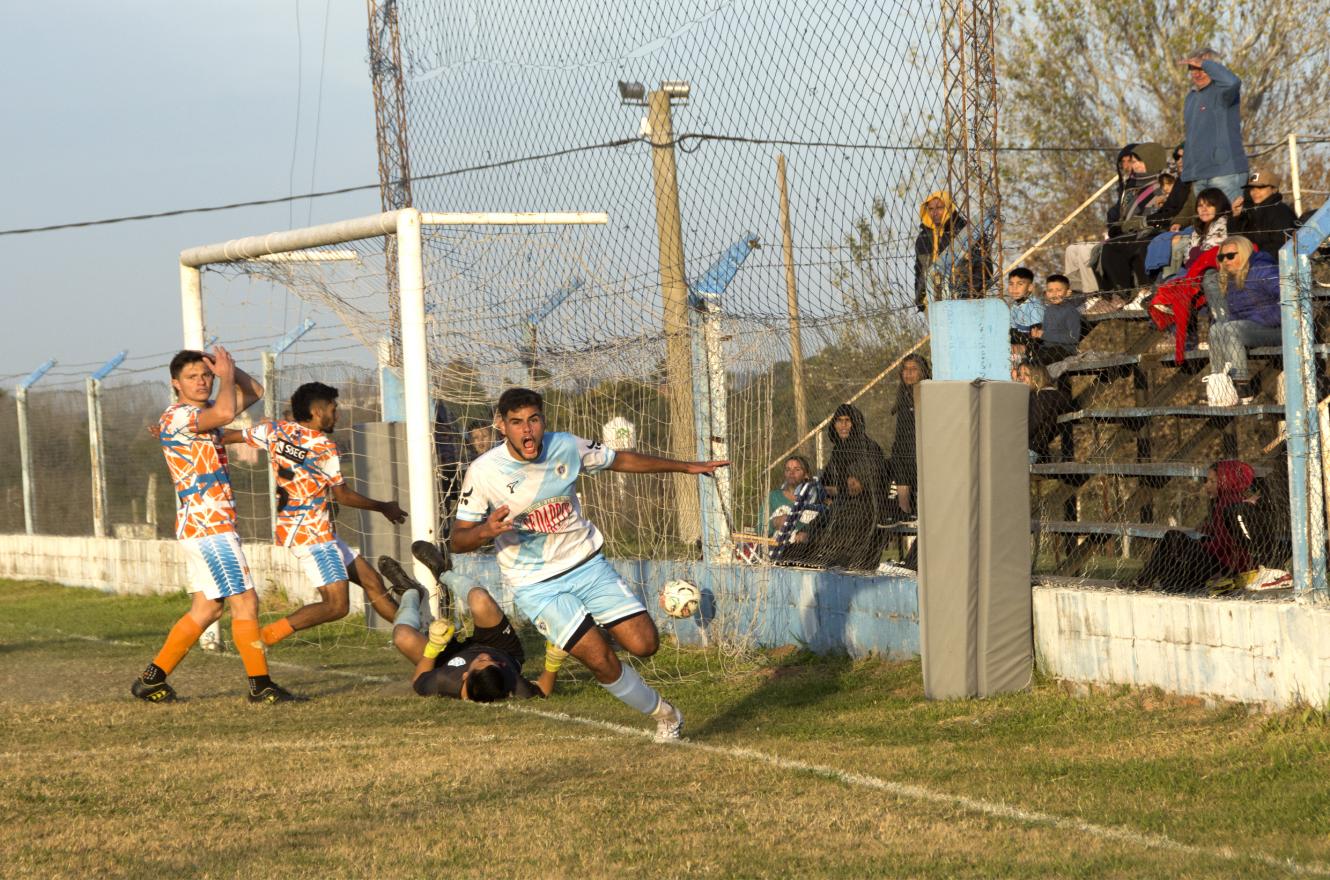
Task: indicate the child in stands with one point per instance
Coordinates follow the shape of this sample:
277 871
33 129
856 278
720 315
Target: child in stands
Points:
1027 310
1060 334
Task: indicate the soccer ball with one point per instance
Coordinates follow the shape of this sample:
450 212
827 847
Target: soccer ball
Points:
679 598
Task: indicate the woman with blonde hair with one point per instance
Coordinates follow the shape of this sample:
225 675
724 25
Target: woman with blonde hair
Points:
1245 312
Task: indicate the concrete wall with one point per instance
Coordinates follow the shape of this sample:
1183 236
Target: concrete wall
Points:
1275 653
141 567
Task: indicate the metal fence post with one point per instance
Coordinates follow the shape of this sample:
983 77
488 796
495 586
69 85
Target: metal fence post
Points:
25 446
1306 498
97 446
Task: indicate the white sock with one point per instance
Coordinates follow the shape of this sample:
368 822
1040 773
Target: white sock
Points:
631 689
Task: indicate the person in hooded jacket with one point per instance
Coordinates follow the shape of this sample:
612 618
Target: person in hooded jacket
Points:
852 450
852 539
939 224
902 466
1229 538
1122 263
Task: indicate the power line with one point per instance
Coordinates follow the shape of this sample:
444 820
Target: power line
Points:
682 140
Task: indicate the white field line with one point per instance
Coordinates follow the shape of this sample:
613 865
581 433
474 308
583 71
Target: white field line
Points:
905 791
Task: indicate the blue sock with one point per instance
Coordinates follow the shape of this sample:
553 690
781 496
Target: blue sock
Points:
408 609
631 689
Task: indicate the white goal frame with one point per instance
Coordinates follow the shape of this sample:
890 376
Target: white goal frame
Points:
407 225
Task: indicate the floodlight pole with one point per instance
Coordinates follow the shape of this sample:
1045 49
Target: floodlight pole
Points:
270 405
792 303
674 295
25 447
97 445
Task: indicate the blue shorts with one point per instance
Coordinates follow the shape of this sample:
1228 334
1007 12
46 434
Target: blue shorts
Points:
559 605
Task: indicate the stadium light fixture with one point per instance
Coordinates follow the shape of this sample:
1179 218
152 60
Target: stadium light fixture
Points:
632 92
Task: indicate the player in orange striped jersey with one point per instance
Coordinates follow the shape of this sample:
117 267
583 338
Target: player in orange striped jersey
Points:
308 470
190 432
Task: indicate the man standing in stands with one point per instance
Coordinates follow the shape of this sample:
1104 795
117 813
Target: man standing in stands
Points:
1213 119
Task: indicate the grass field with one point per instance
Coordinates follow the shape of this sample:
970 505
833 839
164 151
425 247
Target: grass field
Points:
795 766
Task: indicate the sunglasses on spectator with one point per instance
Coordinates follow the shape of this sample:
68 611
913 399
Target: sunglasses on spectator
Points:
1228 255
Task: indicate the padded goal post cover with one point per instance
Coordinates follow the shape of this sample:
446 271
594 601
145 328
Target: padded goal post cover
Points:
975 625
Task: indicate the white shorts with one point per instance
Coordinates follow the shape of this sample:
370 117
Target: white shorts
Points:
217 566
325 563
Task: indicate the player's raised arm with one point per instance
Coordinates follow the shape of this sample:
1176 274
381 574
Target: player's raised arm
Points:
223 409
351 498
248 390
640 463
467 536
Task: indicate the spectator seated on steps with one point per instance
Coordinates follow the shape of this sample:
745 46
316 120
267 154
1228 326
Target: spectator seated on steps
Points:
1231 540
1047 402
1060 335
1261 214
1243 297
797 509
1027 310
1175 304
1122 259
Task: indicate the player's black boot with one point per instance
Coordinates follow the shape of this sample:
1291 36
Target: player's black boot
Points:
434 557
152 693
397 576
438 560
274 693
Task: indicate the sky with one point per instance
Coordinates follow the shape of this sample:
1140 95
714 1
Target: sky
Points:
130 109
115 109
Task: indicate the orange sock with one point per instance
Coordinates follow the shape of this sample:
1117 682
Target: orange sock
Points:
250 646
178 642
276 631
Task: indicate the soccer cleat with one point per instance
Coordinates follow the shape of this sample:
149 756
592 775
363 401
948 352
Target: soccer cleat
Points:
437 559
669 727
434 557
397 576
275 693
152 693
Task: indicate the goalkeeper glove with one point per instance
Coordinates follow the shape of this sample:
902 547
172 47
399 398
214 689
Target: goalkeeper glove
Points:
440 632
554 657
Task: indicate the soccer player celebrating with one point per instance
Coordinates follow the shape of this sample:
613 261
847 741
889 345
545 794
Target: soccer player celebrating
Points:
483 668
522 495
305 461
190 432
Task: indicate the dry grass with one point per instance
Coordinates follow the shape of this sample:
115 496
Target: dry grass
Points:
834 769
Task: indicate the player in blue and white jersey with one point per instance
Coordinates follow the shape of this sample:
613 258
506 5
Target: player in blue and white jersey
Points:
523 495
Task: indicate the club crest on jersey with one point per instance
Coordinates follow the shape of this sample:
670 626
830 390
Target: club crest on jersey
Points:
561 469
548 517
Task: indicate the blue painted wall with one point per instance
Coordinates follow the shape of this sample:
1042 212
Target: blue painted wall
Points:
828 612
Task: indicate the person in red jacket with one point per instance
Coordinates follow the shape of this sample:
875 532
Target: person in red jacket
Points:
1182 563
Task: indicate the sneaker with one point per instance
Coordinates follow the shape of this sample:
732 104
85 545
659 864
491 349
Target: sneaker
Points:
152 693
397 576
1138 304
434 557
275 693
669 727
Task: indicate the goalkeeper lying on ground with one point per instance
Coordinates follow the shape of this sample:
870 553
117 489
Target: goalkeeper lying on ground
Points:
483 668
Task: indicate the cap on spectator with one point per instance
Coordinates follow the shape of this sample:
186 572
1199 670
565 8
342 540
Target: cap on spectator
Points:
1262 175
1200 52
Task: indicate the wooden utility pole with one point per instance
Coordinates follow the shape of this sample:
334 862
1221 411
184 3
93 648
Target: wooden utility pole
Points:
674 294
792 300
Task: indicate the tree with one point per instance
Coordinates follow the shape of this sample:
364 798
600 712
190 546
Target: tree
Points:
1104 73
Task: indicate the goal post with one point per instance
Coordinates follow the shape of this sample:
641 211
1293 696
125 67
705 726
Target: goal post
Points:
406 226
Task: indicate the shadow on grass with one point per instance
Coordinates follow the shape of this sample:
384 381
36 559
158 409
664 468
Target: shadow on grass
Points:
794 685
